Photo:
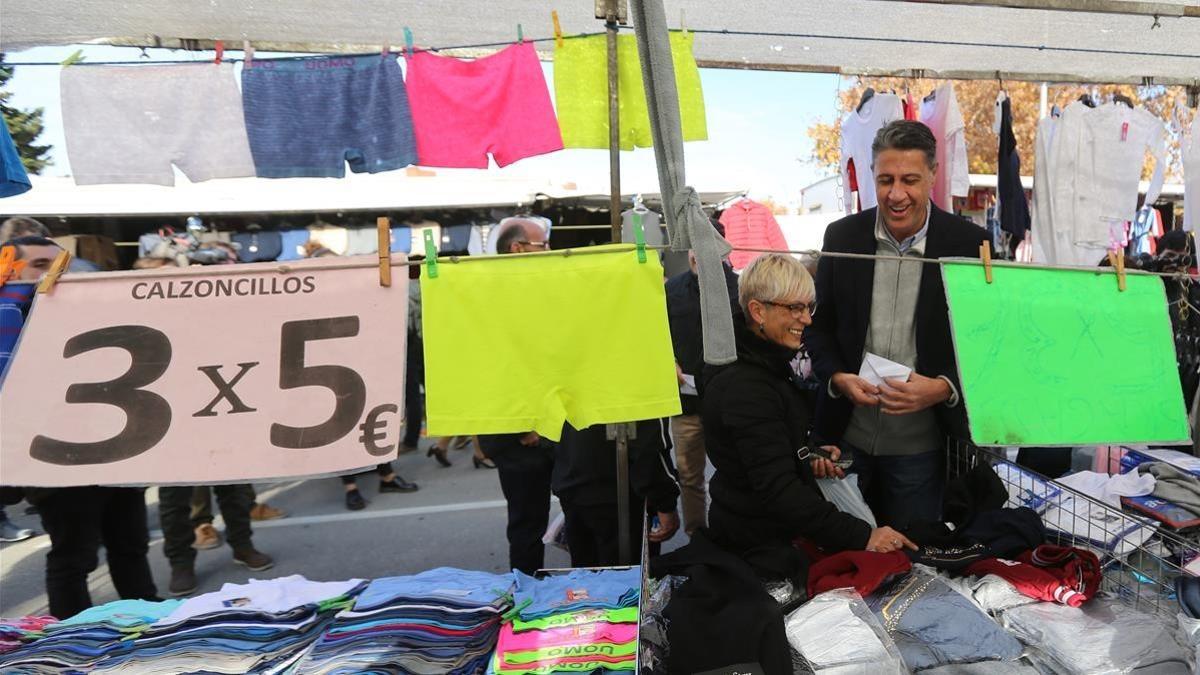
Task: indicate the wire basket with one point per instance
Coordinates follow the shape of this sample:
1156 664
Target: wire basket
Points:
1141 559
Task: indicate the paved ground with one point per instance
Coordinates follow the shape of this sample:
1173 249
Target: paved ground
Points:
457 518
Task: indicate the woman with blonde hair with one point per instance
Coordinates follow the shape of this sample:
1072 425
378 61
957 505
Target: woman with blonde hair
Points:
757 422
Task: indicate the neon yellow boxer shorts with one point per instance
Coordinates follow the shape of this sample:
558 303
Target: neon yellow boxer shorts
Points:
514 344
581 92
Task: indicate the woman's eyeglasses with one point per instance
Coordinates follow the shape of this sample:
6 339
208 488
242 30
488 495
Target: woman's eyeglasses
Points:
798 309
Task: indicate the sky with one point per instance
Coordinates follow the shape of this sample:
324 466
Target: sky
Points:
757 122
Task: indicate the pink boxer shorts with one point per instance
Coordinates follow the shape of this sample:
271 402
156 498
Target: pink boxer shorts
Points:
462 110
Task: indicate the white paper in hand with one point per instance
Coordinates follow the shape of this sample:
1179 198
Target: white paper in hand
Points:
689 385
875 368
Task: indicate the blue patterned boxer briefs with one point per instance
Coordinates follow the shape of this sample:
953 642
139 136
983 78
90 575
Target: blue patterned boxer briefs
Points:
307 117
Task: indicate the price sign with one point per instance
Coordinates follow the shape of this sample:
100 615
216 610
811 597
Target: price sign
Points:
236 373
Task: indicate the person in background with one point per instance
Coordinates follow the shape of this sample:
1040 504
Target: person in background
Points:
687 429
179 535
16 227
13 307
757 425
207 536
523 461
79 520
896 432
480 460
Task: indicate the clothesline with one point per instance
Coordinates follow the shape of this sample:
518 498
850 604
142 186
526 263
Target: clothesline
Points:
712 31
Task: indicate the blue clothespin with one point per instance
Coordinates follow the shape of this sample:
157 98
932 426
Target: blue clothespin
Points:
430 255
408 41
520 34
639 237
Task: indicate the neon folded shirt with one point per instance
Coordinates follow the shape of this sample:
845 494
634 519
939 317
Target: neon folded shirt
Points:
496 666
600 651
555 364
581 92
604 632
578 589
580 618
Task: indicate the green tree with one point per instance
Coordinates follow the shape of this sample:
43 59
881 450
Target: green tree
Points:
24 125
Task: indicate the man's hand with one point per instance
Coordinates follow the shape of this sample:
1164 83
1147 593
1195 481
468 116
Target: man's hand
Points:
824 468
668 525
858 390
886 540
679 374
919 393
530 439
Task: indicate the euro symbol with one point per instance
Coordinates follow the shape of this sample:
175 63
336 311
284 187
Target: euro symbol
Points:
375 432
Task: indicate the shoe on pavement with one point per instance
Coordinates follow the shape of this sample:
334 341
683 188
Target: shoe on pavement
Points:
207 538
355 501
406 448
10 532
266 512
252 558
183 581
397 484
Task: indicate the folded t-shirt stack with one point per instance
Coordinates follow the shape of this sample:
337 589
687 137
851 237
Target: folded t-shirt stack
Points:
580 621
80 642
443 620
260 626
16 632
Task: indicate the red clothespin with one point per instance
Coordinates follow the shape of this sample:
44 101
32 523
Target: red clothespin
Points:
387 49
247 54
985 254
558 36
220 47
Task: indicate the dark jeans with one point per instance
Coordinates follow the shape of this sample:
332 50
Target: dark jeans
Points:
79 520
381 469
525 481
901 489
414 407
174 512
202 503
592 533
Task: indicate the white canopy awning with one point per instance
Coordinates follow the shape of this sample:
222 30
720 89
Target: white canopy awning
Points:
1120 41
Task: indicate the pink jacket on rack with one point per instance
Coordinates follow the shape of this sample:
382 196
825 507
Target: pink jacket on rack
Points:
749 224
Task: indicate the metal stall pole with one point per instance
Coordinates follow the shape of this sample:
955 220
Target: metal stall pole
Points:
614 12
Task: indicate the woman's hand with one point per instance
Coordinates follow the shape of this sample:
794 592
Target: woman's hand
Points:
886 540
825 468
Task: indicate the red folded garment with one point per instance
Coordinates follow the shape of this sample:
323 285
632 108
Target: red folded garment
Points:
1070 576
864 571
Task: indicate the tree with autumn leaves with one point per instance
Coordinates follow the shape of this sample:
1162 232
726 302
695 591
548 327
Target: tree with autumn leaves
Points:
977 101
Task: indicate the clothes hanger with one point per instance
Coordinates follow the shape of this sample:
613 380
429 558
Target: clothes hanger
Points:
1087 100
866 96
1123 99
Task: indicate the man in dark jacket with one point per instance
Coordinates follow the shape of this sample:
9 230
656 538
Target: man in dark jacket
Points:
897 431
585 480
687 432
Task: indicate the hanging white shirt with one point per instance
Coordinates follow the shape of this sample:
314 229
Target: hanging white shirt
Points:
858 132
1191 177
943 116
1043 218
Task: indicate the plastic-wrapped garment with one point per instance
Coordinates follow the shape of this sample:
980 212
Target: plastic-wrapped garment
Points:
986 668
1189 634
933 625
847 497
989 592
1102 637
836 633
654 647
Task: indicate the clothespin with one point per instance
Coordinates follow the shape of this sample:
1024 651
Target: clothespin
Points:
220 47
56 270
383 225
247 54
985 254
683 20
520 34
9 265
558 37
639 237
408 42
74 58
1117 260
430 255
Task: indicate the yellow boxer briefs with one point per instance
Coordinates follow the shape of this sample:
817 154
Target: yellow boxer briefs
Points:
514 344
581 92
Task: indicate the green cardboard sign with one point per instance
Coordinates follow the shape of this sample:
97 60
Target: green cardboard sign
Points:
1061 357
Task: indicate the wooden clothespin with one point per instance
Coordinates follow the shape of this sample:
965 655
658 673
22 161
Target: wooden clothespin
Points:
558 36
56 270
408 42
247 54
639 237
431 263
985 254
383 225
1117 260
220 48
